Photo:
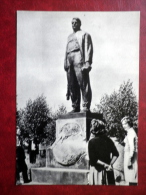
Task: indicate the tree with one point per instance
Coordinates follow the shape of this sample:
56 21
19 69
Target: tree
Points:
60 111
117 105
37 121
33 119
20 120
51 127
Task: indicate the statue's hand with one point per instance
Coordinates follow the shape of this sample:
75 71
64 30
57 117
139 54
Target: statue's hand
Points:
87 67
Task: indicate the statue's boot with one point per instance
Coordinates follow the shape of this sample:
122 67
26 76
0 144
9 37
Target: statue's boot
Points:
75 110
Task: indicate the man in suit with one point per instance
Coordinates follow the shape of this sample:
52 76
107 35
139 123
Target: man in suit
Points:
78 60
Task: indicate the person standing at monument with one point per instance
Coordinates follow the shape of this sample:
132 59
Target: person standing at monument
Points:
21 165
130 152
102 155
78 60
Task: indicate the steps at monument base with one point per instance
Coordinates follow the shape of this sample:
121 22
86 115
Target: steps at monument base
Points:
59 176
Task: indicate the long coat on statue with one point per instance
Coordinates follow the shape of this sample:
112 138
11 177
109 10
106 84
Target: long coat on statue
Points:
86 46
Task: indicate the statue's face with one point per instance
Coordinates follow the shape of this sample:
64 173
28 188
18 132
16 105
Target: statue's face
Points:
75 25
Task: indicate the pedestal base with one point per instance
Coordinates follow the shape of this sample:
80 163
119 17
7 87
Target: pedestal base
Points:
67 159
60 176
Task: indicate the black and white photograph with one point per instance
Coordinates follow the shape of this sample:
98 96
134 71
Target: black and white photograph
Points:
77 93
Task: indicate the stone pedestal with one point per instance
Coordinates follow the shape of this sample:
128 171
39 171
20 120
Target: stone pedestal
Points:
58 176
68 156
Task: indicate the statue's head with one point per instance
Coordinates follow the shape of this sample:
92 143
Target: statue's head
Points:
76 24
97 127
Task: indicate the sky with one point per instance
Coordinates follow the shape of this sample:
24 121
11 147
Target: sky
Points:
41 42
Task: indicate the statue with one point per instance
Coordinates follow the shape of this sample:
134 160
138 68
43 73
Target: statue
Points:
78 60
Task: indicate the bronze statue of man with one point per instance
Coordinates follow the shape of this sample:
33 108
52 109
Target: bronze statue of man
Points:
78 60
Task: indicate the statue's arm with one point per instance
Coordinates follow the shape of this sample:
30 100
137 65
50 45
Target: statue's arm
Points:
88 49
65 60
87 52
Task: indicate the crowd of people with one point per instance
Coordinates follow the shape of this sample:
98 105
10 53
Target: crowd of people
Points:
103 154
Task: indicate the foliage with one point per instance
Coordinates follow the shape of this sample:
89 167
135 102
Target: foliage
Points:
117 105
37 121
33 119
60 111
51 127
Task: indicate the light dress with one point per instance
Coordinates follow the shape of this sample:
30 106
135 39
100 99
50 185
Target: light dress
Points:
130 150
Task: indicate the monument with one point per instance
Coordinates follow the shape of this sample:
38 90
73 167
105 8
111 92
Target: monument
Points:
67 159
77 64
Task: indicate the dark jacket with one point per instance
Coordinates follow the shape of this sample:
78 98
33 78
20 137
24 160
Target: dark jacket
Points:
101 148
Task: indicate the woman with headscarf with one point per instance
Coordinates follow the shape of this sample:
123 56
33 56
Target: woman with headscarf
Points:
102 155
